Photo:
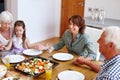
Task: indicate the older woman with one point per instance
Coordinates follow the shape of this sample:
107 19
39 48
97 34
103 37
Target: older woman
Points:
6 31
6 19
76 40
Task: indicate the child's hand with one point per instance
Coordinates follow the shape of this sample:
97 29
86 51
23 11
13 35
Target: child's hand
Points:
2 47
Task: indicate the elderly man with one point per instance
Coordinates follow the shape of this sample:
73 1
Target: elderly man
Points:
109 46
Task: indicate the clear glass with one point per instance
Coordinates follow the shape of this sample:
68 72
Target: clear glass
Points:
48 71
6 60
101 16
93 14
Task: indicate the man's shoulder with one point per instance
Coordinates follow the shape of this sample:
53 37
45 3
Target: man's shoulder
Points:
114 69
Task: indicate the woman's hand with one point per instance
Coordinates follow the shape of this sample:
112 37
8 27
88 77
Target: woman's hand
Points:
40 47
50 49
2 47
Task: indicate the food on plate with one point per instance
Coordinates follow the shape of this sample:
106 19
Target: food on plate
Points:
32 66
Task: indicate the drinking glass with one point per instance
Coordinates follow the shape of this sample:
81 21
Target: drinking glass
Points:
96 14
6 60
48 71
102 14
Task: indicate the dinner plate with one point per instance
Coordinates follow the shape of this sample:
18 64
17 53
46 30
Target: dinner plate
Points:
11 78
14 58
63 56
70 75
32 52
3 71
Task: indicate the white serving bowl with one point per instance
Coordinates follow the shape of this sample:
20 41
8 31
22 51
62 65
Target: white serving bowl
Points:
3 70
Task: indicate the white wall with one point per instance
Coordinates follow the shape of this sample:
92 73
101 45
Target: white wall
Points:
111 7
42 17
11 5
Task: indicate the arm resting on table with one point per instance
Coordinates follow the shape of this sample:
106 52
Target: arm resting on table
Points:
95 67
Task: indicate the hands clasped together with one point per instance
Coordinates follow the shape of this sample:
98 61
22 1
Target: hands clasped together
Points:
2 47
42 47
81 60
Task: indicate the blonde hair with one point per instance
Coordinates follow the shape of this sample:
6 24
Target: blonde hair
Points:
6 16
112 34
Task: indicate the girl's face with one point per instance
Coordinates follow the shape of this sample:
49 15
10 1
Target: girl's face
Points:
19 31
73 28
5 26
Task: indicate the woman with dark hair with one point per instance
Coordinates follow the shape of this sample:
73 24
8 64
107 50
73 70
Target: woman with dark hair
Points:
76 40
78 21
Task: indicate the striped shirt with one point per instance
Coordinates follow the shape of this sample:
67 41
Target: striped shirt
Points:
110 70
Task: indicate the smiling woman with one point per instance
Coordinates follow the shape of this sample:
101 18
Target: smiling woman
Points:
6 19
75 39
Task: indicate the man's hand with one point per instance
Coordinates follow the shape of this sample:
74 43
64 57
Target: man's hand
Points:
81 60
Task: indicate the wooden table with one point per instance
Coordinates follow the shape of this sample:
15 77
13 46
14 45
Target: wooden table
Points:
63 65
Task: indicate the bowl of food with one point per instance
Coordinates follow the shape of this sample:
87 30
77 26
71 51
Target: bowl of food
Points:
3 70
34 66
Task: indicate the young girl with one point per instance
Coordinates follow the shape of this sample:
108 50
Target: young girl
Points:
19 40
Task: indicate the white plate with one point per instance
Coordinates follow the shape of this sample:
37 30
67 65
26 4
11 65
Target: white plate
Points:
32 52
3 70
9 78
70 75
15 58
63 56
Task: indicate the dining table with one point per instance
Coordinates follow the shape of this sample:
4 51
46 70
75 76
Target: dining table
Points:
62 66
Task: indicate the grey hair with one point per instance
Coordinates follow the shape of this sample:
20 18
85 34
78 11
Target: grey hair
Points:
112 34
6 16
